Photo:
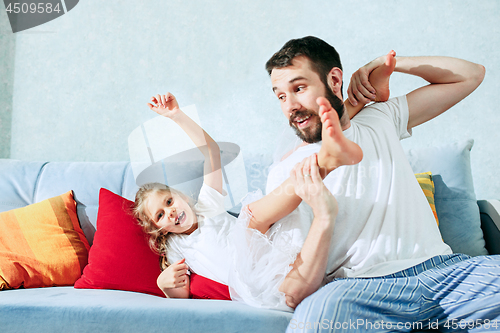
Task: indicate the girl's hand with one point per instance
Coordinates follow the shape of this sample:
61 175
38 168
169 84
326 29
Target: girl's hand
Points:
310 187
165 105
175 276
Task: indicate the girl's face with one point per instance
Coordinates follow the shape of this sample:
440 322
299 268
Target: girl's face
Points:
170 212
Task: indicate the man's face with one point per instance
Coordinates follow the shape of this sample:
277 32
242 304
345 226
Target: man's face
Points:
297 87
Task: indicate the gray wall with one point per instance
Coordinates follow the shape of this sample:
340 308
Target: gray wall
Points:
74 88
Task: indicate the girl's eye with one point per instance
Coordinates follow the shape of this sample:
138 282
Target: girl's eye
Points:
169 202
160 216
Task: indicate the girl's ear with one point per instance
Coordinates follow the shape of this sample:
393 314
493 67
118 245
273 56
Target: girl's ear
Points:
334 80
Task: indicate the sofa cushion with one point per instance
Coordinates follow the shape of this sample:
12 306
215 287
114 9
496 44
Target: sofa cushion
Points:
120 257
455 199
42 244
65 309
425 181
85 179
18 180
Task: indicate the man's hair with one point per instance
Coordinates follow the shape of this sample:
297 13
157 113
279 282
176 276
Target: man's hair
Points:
323 57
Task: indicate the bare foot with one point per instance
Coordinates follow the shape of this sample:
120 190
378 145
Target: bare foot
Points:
379 78
336 150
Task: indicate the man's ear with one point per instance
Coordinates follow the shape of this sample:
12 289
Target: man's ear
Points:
334 80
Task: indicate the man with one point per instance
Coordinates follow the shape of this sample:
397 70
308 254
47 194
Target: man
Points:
387 261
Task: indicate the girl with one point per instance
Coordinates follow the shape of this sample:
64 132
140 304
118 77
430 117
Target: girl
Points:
260 269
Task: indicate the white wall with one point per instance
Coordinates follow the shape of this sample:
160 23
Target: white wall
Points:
74 88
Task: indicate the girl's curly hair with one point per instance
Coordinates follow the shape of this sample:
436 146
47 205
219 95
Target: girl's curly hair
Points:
157 239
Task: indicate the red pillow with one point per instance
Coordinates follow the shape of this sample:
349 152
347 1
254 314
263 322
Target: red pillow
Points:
201 287
120 257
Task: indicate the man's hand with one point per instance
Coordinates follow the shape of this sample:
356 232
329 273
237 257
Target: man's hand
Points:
310 187
165 105
371 82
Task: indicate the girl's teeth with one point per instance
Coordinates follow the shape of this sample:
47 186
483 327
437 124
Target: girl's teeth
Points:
180 217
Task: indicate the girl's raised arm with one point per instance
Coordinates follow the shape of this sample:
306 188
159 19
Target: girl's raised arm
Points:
167 106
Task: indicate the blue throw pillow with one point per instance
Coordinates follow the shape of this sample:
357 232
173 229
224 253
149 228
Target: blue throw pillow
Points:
455 199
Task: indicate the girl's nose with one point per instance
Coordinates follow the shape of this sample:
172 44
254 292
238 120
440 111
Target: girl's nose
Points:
172 212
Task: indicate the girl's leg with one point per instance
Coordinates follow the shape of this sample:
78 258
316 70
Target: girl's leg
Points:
336 150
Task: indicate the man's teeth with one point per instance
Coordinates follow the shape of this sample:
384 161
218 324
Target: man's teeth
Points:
300 120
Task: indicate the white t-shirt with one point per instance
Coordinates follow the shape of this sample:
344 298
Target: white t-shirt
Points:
223 249
384 223
206 248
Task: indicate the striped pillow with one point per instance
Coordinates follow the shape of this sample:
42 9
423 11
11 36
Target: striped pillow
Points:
42 245
425 181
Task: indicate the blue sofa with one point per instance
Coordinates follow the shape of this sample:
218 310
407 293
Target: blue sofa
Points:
66 309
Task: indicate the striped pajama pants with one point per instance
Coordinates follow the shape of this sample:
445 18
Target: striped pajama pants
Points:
451 293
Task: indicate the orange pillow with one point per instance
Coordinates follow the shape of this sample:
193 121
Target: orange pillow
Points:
42 245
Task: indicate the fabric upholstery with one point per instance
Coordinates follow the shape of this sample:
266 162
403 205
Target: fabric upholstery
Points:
120 257
65 309
42 244
425 181
202 288
85 179
455 199
84 310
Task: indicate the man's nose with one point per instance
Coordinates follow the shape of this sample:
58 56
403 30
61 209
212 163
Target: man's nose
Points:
292 105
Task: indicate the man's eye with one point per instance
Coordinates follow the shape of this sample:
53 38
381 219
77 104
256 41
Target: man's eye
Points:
299 88
281 97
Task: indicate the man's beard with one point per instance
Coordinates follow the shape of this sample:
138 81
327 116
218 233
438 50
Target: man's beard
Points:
312 133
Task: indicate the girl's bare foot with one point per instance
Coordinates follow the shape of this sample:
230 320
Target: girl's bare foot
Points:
336 150
379 77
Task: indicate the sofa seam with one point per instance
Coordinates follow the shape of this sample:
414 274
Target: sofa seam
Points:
123 178
35 190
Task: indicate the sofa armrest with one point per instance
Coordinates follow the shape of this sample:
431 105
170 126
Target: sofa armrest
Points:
490 223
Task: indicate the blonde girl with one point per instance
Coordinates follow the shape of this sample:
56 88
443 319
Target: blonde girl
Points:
261 269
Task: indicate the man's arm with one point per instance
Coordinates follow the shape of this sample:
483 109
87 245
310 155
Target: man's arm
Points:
309 267
451 80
